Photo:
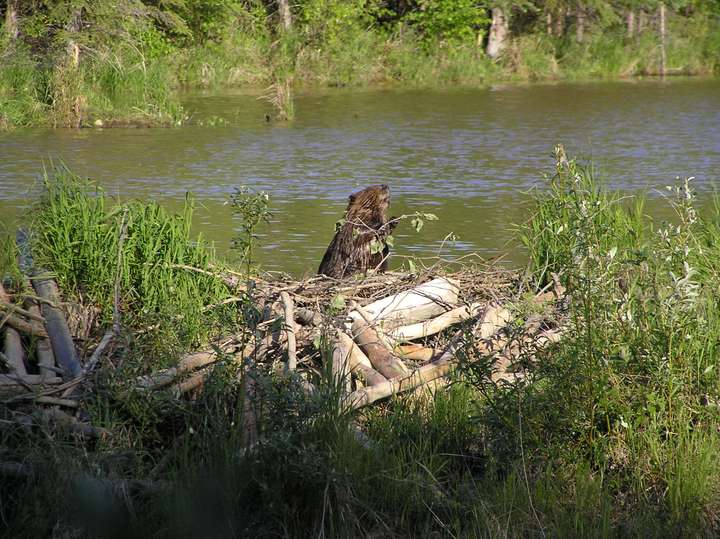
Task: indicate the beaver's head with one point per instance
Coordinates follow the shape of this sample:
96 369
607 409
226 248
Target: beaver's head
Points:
373 200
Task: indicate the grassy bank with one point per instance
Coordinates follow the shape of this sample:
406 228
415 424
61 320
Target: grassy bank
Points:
612 432
67 64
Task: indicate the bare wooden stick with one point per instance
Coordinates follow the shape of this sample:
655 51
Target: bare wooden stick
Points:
290 331
13 352
66 403
437 324
57 329
14 309
58 419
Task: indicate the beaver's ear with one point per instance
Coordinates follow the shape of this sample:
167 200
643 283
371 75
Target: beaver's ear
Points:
352 198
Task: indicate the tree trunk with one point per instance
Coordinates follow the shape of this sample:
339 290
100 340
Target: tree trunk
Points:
498 33
579 24
663 58
12 29
642 16
630 23
73 49
285 15
560 24
548 23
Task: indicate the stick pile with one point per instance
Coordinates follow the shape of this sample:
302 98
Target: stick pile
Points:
380 336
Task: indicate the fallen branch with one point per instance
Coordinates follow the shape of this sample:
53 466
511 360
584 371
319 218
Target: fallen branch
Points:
57 329
289 331
12 385
437 324
14 309
379 355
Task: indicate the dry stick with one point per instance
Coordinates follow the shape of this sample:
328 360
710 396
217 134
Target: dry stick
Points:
12 309
67 403
416 352
494 319
22 326
289 331
437 324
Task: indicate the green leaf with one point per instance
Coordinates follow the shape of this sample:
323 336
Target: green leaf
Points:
376 246
338 303
390 241
417 224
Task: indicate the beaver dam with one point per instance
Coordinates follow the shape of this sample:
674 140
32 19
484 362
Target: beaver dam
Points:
151 389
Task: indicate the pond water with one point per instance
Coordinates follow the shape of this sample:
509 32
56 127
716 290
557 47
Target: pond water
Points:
467 155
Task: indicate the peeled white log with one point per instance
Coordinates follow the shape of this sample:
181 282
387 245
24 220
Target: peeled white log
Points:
437 324
414 305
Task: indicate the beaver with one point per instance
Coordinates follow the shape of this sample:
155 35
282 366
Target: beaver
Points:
354 248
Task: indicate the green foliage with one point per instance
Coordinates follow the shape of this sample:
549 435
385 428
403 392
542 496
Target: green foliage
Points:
459 21
251 209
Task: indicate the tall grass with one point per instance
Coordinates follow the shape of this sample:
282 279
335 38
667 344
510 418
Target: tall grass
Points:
90 241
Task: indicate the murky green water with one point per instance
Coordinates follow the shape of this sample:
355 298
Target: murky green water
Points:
469 156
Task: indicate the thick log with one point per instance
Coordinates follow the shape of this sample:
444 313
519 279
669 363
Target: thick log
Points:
380 357
57 329
415 305
43 349
357 361
494 319
13 350
436 325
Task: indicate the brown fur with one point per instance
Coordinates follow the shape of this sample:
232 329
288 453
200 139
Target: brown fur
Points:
365 220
